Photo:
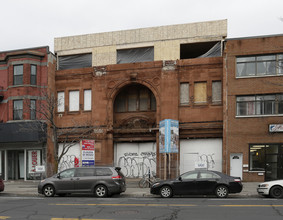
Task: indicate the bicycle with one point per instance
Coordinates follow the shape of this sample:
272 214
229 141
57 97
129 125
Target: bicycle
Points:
148 180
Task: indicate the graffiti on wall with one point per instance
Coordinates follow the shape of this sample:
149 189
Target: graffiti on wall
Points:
136 165
206 160
68 161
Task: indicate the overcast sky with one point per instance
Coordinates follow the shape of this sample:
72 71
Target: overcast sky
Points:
34 23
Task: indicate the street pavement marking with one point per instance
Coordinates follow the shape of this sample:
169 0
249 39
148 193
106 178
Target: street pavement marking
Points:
79 219
146 205
4 217
251 205
162 205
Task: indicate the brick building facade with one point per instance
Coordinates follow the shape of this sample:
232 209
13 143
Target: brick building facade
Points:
124 83
253 108
24 75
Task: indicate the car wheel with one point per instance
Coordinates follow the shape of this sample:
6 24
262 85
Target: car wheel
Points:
100 191
221 191
48 191
276 192
166 192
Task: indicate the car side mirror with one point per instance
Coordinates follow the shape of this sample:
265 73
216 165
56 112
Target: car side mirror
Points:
58 175
180 178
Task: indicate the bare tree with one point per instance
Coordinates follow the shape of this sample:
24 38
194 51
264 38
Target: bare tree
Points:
66 137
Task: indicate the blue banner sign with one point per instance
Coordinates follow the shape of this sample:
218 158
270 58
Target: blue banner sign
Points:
169 136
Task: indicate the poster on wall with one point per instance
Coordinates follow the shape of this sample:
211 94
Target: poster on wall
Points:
88 153
33 160
169 136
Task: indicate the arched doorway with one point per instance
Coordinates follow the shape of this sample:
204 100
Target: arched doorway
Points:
134 117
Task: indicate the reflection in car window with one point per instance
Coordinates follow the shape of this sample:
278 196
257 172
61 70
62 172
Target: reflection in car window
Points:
103 172
190 175
208 175
67 173
85 172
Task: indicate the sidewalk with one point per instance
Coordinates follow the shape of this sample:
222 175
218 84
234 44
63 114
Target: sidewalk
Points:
29 188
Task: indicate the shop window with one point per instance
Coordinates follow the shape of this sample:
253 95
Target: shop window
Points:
216 92
270 104
135 55
87 100
266 158
60 101
33 73
32 109
18 74
263 65
184 93
75 61
74 101
200 95
18 110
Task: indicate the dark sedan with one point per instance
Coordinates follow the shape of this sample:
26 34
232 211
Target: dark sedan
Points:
198 182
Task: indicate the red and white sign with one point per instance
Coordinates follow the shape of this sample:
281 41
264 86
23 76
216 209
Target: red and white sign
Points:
34 160
88 153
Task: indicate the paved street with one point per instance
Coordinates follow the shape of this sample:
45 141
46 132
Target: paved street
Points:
91 208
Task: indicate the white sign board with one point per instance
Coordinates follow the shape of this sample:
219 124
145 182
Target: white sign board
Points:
276 128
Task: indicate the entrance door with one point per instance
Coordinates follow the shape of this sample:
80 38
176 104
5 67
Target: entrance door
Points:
15 164
236 165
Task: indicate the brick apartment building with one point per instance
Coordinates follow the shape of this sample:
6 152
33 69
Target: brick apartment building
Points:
24 75
124 83
253 108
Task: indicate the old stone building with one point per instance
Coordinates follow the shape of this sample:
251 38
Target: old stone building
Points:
124 83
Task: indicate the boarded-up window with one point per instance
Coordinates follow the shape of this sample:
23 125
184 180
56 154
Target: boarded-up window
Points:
61 102
74 101
216 92
135 55
200 93
75 61
184 93
87 100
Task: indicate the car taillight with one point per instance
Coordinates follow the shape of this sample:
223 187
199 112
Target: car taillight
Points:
116 177
237 180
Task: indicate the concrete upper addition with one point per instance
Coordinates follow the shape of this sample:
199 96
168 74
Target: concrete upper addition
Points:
166 41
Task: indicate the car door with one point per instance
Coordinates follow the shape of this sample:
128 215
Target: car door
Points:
84 179
206 182
186 184
65 181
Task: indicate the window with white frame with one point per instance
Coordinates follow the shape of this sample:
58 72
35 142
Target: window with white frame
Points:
184 93
87 100
74 101
60 101
33 71
270 104
18 74
18 110
32 109
262 65
216 92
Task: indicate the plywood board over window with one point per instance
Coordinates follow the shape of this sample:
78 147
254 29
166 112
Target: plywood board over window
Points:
200 92
87 100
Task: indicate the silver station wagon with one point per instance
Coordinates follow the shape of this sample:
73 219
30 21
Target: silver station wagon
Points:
100 181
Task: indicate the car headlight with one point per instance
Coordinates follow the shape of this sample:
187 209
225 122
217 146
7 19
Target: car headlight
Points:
155 184
42 181
264 185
